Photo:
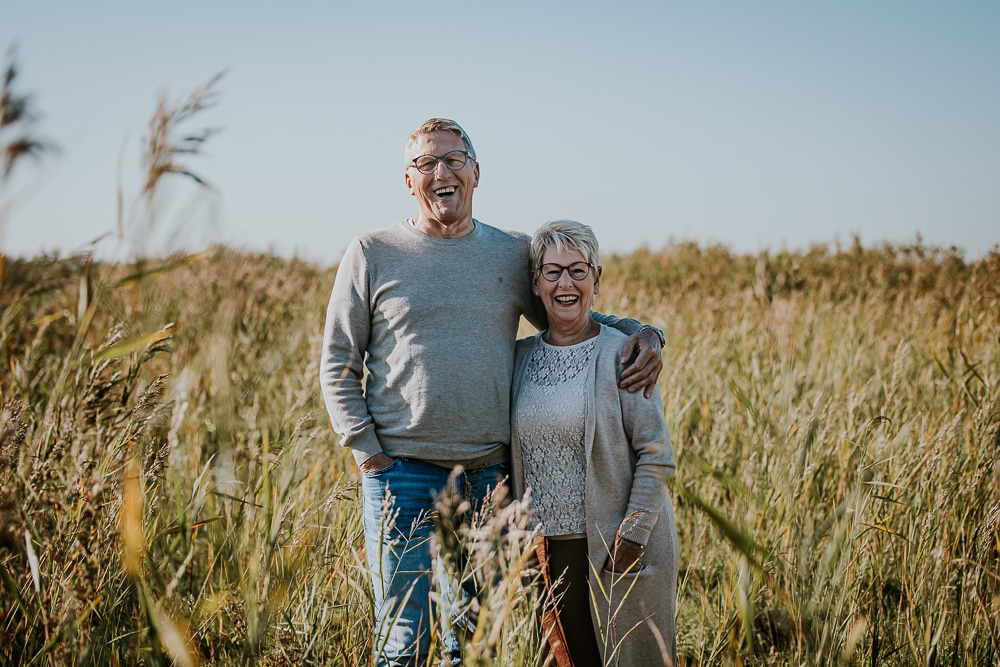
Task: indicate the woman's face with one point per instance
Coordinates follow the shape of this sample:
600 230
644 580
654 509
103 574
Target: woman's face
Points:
567 300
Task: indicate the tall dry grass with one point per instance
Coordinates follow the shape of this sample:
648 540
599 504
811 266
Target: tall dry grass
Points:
171 492
834 415
836 418
19 137
248 548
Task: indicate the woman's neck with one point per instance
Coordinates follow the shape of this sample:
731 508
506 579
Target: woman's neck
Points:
564 336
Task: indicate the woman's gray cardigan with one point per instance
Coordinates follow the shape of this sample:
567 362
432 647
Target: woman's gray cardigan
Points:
629 458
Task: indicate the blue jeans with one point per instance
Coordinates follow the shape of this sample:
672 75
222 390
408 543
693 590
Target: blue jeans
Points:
399 509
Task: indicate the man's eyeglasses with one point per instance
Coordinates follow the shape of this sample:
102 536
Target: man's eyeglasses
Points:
454 160
553 272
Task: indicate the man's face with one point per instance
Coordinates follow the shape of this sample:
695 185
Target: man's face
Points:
443 196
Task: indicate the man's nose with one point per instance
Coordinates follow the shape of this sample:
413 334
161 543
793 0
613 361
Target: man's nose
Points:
441 170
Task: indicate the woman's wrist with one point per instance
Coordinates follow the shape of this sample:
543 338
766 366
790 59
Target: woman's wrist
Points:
632 543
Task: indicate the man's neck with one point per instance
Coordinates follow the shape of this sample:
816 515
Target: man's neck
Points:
441 230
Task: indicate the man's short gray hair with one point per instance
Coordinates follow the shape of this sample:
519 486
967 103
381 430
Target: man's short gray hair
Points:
436 125
561 235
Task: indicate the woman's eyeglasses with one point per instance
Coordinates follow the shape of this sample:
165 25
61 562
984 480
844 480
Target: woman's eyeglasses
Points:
577 271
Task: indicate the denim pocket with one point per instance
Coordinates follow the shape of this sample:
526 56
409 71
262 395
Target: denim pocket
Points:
382 471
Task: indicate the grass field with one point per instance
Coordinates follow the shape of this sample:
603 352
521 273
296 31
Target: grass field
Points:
170 488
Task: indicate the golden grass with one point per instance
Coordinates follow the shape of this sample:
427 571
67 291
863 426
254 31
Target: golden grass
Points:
834 413
171 491
836 420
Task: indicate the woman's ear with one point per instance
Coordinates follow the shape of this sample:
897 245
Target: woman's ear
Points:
534 282
597 279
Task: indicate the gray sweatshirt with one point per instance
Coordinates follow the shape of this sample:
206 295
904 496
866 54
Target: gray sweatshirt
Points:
418 349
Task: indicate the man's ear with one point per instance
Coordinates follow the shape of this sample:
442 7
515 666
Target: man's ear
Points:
476 172
409 184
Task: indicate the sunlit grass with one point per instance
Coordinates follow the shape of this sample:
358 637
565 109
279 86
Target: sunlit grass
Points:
834 414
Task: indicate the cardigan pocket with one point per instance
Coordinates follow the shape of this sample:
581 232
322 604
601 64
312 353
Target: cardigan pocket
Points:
614 586
643 571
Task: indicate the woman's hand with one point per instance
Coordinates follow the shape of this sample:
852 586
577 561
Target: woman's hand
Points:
627 557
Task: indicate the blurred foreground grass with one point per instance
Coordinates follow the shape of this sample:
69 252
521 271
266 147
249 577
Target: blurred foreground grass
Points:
170 489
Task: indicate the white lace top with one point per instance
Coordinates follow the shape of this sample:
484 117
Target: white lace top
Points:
550 417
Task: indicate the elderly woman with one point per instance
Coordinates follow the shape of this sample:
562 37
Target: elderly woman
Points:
596 460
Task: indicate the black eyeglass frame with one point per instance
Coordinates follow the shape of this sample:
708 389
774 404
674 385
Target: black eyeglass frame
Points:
439 158
569 269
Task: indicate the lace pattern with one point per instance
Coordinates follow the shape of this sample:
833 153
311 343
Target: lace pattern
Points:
551 422
551 366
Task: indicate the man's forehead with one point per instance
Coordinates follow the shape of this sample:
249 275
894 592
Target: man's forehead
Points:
438 138
437 142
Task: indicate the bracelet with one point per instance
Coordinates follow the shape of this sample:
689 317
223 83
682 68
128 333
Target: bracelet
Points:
658 332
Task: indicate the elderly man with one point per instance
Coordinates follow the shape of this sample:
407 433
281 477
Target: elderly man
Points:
430 308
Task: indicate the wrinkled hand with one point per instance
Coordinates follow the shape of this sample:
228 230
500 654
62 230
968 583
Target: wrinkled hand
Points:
377 462
627 557
642 362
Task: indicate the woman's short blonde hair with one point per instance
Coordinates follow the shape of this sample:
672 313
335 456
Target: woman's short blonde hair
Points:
432 125
565 234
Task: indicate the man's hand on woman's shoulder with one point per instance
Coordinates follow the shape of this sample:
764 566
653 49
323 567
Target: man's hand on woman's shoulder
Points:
642 362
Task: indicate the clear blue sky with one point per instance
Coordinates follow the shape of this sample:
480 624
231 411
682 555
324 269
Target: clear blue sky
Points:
753 124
